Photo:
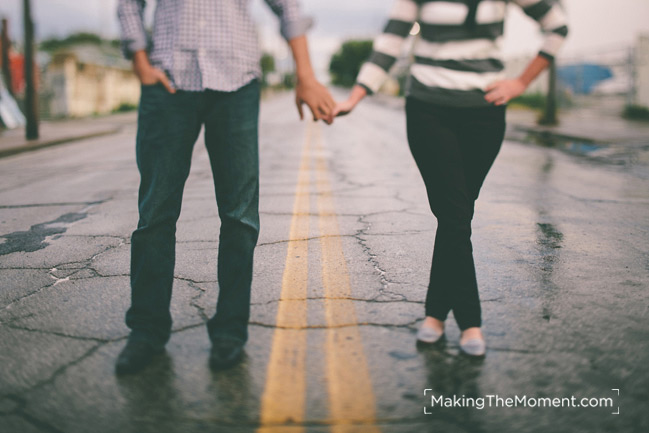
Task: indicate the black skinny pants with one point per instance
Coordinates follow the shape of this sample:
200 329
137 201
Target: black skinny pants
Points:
454 148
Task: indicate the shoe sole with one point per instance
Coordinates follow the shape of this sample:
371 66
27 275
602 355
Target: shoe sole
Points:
123 370
225 365
439 340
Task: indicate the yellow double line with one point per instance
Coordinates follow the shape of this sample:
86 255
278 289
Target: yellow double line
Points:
351 397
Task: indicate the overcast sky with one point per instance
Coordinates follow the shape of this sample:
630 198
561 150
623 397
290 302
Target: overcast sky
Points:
596 25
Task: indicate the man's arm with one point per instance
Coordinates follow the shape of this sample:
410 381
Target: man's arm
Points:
134 42
309 91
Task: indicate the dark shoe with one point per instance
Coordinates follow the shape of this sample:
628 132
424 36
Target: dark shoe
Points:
225 353
135 356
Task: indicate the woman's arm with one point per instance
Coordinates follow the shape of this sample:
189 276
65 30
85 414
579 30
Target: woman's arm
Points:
386 49
345 107
554 23
501 92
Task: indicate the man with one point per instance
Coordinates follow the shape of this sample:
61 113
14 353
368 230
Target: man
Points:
201 68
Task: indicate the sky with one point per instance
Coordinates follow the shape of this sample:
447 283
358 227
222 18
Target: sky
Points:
595 27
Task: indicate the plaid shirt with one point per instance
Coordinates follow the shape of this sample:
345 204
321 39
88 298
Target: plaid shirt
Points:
204 44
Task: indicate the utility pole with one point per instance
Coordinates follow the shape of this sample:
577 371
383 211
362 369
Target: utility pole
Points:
31 102
6 61
550 115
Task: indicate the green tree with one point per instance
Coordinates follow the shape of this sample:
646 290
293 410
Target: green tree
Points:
53 44
267 63
267 67
347 62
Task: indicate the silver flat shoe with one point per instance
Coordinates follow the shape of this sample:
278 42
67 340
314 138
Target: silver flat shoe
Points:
428 335
473 347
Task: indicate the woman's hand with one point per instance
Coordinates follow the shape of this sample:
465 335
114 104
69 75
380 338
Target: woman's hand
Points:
501 92
346 107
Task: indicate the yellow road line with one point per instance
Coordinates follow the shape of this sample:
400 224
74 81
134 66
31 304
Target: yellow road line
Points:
351 397
284 395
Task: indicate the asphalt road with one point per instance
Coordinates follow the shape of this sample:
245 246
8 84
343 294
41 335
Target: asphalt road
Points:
340 277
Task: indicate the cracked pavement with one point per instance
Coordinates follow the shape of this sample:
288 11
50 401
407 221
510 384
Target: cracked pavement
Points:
561 254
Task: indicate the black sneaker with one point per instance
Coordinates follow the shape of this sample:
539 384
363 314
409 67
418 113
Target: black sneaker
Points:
225 353
135 356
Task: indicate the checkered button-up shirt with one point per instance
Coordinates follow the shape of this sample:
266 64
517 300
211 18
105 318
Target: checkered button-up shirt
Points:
204 44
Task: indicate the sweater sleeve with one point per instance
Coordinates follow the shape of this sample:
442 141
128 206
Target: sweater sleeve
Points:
553 21
388 45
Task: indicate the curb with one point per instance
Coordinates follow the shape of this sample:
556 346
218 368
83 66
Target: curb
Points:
15 150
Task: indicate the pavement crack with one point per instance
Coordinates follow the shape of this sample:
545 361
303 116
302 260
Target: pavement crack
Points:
374 300
61 334
384 290
409 325
63 368
194 300
311 238
28 295
68 203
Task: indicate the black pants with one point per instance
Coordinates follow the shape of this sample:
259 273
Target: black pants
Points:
454 149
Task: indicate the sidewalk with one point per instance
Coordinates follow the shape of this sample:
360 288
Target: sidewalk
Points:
582 125
62 131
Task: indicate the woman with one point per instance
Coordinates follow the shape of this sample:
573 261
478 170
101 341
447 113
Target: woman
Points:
455 110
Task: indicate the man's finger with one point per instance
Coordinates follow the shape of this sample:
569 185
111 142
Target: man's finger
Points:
324 109
315 112
165 82
330 102
298 103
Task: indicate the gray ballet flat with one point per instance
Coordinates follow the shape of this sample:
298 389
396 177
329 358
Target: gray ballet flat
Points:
473 347
428 335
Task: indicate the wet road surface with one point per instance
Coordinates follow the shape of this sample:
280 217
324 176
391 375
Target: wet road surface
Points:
340 277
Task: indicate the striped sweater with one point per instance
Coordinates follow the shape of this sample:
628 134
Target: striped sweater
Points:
458 51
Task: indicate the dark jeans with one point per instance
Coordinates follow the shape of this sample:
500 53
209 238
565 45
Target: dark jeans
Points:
454 149
168 126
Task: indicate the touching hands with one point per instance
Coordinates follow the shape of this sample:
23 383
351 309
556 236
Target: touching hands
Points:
317 98
346 107
501 92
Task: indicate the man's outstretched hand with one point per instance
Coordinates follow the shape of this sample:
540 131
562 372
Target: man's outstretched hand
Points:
317 98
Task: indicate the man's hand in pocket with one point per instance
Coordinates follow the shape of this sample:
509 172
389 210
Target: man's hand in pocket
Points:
149 75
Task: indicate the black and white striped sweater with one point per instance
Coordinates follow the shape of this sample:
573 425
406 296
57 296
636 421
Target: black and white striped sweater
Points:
458 51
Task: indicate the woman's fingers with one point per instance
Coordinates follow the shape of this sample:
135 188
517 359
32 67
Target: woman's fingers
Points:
493 95
492 86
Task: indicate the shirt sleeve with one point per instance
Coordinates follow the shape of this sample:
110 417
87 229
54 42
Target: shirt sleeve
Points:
388 45
553 20
130 14
292 23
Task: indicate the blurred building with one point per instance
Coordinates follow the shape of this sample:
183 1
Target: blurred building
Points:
88 79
